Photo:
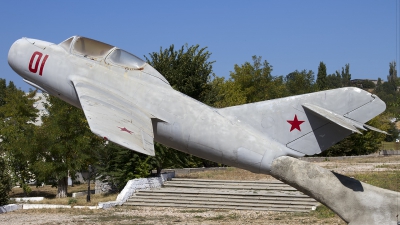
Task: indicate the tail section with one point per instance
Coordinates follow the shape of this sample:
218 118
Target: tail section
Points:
313 122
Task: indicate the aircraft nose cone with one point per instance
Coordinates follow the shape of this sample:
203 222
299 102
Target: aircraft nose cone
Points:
14 54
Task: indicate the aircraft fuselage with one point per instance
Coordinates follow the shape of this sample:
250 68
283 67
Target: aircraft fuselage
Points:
179 121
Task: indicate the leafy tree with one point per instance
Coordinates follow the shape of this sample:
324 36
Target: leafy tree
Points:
253 79
392 77
252 82
387 91
229 93
367 84
3 89
5 183
17 132
118 165
394 133
346 76
65 144
188 69
300 82
334 80
378 88
322 82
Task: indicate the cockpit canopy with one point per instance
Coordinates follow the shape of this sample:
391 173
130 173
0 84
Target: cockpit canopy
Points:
125 59
98 51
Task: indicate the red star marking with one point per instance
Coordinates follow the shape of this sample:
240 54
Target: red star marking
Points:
126 130
295 123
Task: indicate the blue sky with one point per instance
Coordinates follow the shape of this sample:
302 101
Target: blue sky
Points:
290 35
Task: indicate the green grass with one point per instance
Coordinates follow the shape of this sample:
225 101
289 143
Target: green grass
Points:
323 212
389 166
219 217
388 179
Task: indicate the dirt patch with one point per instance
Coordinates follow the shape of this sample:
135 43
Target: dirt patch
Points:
147 215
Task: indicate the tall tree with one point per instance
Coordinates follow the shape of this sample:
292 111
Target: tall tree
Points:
256 82
346 76
188 70
300 82
378 87
65 144
334 80
17 132
321 77
392 77
228 93
5 182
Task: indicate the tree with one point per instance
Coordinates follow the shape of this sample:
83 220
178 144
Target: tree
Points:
189 71
334 80
300 82
253 79
254 82
387 91
346 76
5 183
394 133
118 164
321 77
17 132
65 144
228 93
367 84
378 88
392 77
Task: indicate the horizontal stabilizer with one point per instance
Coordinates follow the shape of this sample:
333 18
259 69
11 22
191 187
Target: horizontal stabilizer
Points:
342 121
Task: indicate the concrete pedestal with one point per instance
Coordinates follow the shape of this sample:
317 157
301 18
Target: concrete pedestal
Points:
354 201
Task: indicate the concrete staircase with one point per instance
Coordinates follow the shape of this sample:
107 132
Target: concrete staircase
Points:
225 194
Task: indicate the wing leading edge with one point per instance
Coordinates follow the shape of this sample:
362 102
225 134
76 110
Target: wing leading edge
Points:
116 119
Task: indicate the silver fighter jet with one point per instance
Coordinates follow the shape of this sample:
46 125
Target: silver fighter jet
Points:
128 102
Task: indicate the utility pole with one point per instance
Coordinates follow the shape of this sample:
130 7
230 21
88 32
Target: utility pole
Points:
88 195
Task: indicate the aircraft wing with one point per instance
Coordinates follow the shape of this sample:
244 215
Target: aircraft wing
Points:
114 118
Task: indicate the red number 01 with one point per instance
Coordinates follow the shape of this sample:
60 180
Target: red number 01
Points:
38 56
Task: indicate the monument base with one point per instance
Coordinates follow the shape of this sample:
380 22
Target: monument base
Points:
354 201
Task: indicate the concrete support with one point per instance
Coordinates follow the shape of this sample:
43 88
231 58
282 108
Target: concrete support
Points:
354 201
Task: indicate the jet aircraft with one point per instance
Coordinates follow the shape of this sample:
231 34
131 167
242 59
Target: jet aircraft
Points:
128 102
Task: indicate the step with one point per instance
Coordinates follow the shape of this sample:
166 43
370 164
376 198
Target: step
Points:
270 195
288 188
230 184
206 195
231 181
216 207
216 199
226 192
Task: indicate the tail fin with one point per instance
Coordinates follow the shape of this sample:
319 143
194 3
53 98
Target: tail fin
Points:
313 122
